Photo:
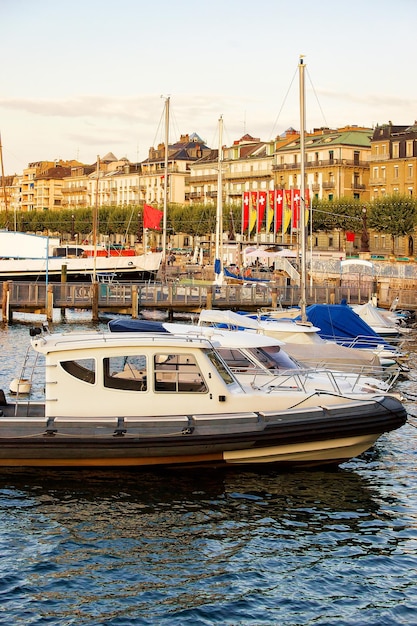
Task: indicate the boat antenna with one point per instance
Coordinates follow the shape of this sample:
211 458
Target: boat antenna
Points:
302 304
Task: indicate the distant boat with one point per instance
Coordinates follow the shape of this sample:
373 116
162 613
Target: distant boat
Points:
27 257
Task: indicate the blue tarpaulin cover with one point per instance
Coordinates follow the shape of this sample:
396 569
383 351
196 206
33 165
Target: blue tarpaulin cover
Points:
338 322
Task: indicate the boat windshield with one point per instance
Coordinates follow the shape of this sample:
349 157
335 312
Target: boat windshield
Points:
220 366
272 357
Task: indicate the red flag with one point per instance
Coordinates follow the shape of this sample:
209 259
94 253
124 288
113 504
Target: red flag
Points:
245 211
151 217
279 202
350 236
261 208
296 208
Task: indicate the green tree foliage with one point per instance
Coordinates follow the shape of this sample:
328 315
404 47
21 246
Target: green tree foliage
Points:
394 215
342 213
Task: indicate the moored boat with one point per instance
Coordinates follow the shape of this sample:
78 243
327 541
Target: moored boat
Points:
26 257
140 399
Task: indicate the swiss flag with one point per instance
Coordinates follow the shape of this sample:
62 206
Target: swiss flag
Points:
245 217
151 217
261 208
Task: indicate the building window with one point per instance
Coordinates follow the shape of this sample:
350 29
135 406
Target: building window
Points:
330 242
410 170
395 150
331 156
395 171
409 149
383 173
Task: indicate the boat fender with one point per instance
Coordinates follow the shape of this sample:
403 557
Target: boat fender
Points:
50 429
130 263
120 430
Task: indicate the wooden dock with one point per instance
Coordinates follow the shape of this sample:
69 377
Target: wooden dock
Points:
133 298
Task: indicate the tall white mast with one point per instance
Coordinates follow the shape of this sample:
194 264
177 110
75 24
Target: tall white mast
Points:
95 220
218 261
301 67
164 218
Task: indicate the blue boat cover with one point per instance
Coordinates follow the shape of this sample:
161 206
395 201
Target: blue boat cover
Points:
338 322
128 325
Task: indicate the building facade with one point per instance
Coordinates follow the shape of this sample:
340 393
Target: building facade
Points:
336 163
393 160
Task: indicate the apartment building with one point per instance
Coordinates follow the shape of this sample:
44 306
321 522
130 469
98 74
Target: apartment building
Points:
336 163
393 160
246 165
181 157
42 183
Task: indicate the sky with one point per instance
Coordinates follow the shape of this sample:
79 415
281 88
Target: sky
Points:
80 79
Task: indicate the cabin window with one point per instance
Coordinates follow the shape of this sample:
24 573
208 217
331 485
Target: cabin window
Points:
125 372
178 373
83 369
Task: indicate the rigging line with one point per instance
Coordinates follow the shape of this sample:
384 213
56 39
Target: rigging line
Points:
318 101
158 130
283 103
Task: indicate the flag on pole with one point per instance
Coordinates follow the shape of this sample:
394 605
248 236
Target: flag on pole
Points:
152 217
261 209
288 209
271 210
245 211
295 208
253 216
279 203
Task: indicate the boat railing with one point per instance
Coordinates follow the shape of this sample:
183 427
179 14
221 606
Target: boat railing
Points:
300 379
367 342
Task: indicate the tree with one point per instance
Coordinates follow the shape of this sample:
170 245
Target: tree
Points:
395 215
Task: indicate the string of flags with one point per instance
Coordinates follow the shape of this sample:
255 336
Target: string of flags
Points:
275 210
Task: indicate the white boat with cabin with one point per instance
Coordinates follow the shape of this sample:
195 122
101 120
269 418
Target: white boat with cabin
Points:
145 399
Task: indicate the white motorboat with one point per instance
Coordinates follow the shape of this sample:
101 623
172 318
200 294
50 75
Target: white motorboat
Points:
145 399
34 257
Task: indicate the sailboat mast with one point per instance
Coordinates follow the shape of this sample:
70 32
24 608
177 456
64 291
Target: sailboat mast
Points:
303 271
219 210
164 217
95 221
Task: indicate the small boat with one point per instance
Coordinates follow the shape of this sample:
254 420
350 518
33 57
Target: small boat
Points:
385 323
161 399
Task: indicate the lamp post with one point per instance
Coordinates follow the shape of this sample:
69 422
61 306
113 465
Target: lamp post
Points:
365 235
72 226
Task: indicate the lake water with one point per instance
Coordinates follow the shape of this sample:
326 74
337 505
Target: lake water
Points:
120 548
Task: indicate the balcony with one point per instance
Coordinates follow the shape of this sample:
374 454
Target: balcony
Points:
315 187
358 187
328 185
381 180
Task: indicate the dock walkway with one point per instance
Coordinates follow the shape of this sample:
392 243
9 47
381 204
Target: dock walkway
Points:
132 298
